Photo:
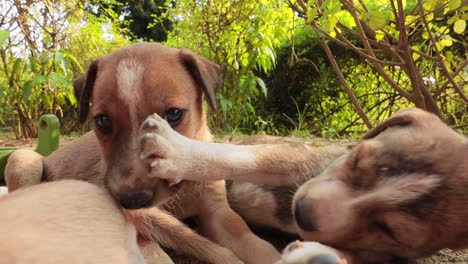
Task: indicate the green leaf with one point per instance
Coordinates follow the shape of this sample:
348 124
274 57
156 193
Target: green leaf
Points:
379 35
262 85
16 67
454 4
459 26
453 19
39 80
57 80
311 13
446 41
377 20
27 87
4 34
346 19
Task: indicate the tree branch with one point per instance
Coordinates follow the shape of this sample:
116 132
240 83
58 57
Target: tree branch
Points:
341 78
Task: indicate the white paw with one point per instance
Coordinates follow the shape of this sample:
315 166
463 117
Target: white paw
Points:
309 253
162 149
3 190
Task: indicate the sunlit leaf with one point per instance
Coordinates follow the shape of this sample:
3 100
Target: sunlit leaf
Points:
379 35
27 87
446 41
4 34
311 13
454 4
262 85
377 20
459 26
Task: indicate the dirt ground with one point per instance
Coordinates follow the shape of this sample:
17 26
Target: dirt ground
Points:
442 257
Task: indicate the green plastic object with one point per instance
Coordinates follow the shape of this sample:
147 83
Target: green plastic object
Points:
48 134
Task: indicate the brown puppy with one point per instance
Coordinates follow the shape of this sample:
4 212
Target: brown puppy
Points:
125 87
67 222
400 193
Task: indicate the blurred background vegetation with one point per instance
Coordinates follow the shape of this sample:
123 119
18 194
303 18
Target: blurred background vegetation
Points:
330 68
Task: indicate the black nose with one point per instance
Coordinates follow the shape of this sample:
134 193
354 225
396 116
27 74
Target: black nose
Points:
305 216
136 200
323 259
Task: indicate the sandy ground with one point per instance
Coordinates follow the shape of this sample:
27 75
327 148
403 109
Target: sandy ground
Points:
442 257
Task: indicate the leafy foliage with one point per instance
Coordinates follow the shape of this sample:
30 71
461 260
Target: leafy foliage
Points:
408 43
242 37
331 68
44 50
137 17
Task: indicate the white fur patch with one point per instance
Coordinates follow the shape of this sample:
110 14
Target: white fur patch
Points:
305 252
3 190
129 75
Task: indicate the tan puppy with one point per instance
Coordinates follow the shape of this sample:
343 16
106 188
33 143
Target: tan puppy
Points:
125 87
400 193
67 222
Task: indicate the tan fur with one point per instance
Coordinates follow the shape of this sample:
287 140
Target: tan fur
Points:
127 86
405 187
66 222
399 193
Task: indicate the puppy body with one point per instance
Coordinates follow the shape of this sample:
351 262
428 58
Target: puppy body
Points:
125 87
400 193
67 222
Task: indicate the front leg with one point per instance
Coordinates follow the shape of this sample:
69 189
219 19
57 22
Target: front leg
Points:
24 168
224 226
175 157
158 226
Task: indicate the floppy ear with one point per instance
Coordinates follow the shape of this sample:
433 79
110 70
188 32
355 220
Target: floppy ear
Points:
78 84
402 118
83 88
206 74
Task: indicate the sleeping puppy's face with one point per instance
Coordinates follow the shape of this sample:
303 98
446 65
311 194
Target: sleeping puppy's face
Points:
400 192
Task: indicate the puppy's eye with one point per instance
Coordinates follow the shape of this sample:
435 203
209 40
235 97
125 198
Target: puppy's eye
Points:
173 116
384 228
103 123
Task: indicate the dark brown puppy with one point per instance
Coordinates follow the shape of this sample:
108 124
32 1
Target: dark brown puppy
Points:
125 87
400 193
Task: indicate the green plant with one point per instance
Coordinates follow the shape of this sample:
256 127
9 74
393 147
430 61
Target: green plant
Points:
242 37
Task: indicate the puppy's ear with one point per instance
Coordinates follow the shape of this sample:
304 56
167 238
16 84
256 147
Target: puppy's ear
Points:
78 84
83 88
402 118
206 74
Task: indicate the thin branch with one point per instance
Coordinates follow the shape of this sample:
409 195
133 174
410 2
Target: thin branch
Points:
342 79
439 57
365 55
445 85
369 50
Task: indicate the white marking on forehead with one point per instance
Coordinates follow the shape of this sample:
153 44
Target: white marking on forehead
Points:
129 75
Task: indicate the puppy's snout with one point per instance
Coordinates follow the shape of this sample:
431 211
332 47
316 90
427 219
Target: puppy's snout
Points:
137 199
323 259
304 215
